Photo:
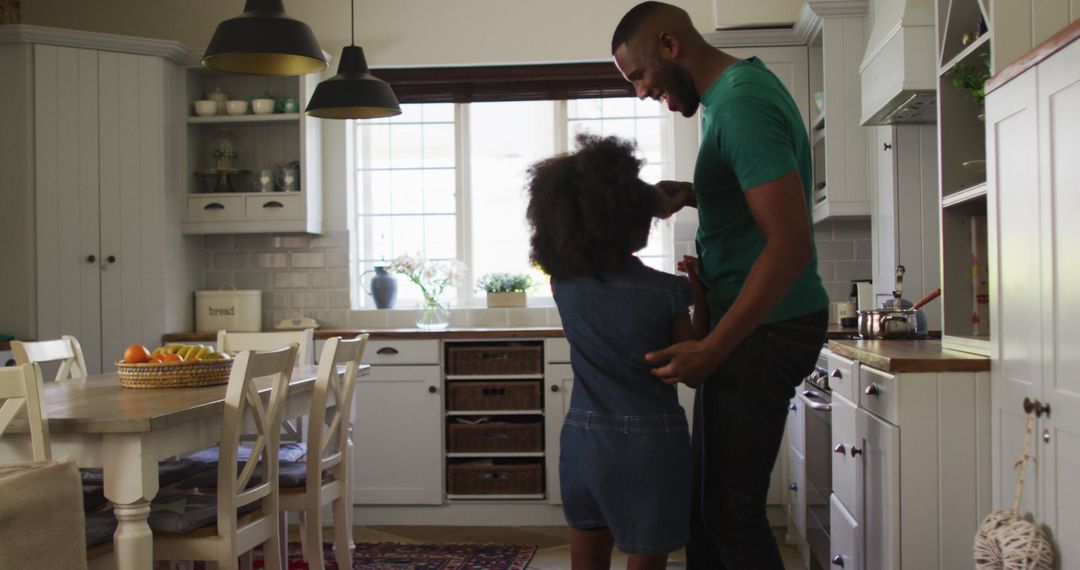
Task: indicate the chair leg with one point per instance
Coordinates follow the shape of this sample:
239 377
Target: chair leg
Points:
247 561
272 559
226 562
313 551
283 536
342 533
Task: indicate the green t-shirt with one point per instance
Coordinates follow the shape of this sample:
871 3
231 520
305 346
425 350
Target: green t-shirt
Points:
752 134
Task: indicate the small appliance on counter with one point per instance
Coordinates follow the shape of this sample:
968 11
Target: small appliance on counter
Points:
298 322
228 309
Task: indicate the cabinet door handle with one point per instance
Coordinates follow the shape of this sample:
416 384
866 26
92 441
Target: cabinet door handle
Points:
91 258
855 451
793 407
214 206
432 389
111 259
872 390
837 374
886 146
387 351
1036 406
838 560
554 387
273 204
840 449
817 406
793 486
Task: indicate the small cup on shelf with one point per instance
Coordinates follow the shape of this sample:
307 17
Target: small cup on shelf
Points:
205 108
236 107
262 106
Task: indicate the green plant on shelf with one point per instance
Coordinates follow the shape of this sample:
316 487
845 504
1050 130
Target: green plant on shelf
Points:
972 78
505 282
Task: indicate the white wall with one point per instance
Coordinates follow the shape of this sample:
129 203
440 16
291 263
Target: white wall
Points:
411 32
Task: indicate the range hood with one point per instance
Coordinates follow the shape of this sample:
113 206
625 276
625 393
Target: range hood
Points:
899 72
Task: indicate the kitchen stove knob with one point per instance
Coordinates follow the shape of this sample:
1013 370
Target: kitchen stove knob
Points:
793 486
872 390
432 389
840 449
838 560
91 258
554 387
855 451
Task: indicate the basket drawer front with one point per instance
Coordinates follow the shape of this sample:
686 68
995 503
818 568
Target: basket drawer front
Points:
515 479
495 437
488 396
389 352
498 360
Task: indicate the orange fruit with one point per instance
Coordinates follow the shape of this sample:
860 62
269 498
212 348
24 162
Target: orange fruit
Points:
136 354
172 358
158 358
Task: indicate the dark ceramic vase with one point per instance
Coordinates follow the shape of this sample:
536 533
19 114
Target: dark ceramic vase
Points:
383 288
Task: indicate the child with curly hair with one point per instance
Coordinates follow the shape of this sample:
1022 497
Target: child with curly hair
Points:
625 466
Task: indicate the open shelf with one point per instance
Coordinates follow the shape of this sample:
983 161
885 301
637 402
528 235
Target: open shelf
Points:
973 344
962 57
976 192
233 119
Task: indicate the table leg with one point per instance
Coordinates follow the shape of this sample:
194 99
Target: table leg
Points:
131 482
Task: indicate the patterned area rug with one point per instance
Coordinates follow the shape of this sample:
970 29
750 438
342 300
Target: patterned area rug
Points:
396 556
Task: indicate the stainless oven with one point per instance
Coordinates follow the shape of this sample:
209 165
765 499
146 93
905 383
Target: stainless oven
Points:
817 399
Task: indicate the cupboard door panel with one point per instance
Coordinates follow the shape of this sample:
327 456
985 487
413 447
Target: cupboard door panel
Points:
559 383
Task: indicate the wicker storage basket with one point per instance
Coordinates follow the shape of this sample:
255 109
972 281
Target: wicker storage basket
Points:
494 360
178 375
495 437
514 479
487 395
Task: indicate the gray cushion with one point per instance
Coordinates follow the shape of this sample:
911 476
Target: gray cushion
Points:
100 527
93 497
290 474
169 472
184 513
286 452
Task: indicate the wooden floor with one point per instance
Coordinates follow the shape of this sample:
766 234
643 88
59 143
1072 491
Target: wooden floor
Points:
554 542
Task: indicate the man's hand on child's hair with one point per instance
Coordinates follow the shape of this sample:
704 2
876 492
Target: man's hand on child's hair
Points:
676 195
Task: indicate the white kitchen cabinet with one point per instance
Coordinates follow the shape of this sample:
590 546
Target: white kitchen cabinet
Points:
795 504
263 142
398 435
1026 24
558 385
1033 206
904 227
845 537
100 255
880 450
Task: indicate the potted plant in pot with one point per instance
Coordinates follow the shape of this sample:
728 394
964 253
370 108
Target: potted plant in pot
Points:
505 289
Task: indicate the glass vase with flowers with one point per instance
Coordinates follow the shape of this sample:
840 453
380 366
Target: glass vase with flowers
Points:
432 277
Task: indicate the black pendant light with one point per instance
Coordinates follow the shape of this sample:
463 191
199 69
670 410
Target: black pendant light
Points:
354 93
264 41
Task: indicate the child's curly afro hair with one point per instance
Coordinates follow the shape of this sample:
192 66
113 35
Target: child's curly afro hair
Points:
588 209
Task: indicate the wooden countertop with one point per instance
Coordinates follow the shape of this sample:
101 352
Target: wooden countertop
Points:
409 333
909 356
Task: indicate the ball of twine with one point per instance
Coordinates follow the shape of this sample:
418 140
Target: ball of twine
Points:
987 550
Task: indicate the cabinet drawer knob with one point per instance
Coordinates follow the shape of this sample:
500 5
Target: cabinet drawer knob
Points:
214 206
554 387
793 407
838 560
840 449
872 390
432 389
387 351
91 258
273 204
793 486
111 259
837 374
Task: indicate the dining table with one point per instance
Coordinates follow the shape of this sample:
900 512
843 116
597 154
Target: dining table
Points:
126 432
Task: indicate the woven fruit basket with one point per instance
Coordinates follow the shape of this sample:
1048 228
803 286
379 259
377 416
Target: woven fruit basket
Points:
174 374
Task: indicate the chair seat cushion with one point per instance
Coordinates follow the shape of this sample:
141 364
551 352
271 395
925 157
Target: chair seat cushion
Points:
100 527
93 497
290 474
286 452
181 514
169 472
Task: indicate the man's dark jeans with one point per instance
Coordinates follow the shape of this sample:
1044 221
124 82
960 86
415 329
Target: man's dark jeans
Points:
739 418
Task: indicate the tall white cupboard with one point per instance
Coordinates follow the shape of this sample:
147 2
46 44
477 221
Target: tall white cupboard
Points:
1032 114
94 233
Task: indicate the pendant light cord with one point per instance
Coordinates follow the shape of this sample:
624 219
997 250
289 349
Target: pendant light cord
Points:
352 22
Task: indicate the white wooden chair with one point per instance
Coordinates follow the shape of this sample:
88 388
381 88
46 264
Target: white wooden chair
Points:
233 536
20 394
328 452
65 350
237 341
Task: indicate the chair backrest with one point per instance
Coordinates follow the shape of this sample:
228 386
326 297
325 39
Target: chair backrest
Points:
328 430
237 341
65 350
20 395
241 399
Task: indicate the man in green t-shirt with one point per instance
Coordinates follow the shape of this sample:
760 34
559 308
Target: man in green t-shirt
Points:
756 261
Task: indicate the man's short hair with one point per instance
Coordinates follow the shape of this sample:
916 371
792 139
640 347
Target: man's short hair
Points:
630 23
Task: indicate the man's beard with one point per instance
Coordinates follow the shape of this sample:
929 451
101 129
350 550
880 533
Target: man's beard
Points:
682 87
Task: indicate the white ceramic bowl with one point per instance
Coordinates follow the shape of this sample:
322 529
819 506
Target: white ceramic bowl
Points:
206 107
236 107
262 106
